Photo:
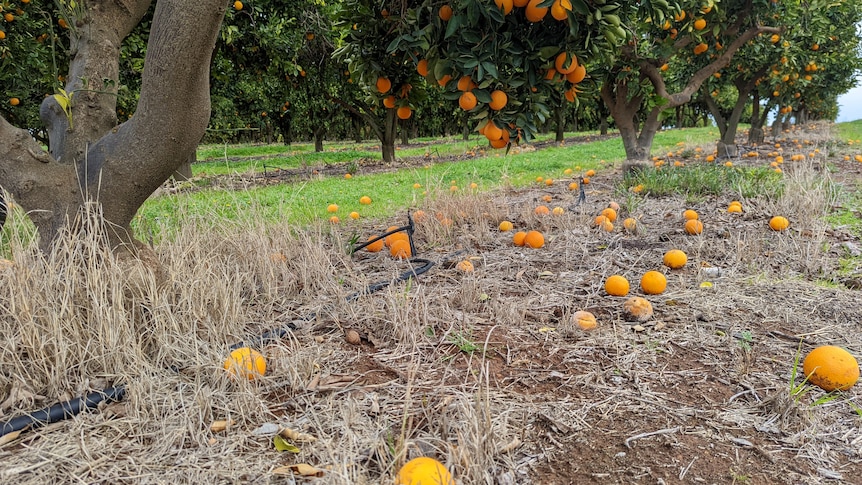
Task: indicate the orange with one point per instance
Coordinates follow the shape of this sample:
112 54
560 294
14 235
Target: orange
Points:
607 225
534 239
693 226
400 249
424 471
518 238
830 367
334 220
389 101
590 173
779 223
560 8
520 3
383 84
445 13
637 309
365 200
245 362
466 83
675 259
565 63
505 6
571 95
775 38
465 266
397 236
558 211
404 112
653 283
348 176
533 12
354 215
422 67
577 75
690 214
617 285
237 5
700 48
585 320
610 214
14 101
542 210
498 100
467 101
492 132
332 208
2 35
506 226
630 224
700 24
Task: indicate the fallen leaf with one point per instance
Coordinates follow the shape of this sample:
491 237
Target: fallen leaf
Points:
296 435
221 425
9 437
546 329
281 444
301 469
706 284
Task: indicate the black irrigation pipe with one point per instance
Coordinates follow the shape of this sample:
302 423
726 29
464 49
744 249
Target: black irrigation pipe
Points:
69 409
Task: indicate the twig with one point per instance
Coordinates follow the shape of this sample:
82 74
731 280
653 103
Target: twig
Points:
685 470
651 433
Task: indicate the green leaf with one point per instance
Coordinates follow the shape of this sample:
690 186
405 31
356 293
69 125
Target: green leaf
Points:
580 7
281 444
491 69
452 27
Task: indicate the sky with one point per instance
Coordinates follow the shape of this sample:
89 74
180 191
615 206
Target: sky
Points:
850 104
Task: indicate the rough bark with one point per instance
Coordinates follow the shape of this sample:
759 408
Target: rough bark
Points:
560 124
318 138
728 125
90 158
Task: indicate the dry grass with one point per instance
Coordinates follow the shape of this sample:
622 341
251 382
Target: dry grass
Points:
484 371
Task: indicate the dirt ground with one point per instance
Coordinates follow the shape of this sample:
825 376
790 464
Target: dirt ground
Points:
486 370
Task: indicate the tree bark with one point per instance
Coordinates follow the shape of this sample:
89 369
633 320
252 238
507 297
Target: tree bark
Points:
90 159
560 122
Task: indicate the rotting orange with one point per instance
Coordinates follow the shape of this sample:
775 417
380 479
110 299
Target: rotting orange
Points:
653 283
630 224
617 285
637 309
585 320
541 210
534 239
465 266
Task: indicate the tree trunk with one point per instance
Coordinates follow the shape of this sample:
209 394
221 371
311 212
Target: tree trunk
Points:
388 135
560 122
405 132
89 157
319 134
184 171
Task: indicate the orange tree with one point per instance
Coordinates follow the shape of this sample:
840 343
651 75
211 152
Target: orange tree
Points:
636 77
90 152
503 62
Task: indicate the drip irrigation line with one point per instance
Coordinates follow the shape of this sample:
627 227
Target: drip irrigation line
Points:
63 410
68 409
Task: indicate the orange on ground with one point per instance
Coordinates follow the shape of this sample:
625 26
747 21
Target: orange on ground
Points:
354 215
653 283
590 173
675 259
334 220
693 226
630 224
365 200
400 249
637 309
518 238
585 320
465 266
541 210
617 285
424 471
396 236
690 214
534 239
245 362
505 226
831 368
610 214
558 211
332 208
779 223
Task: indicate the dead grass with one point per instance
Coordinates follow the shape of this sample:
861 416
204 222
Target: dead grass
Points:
484 371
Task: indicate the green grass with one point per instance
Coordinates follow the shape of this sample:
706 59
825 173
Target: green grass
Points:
255 165
698 181
850 131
